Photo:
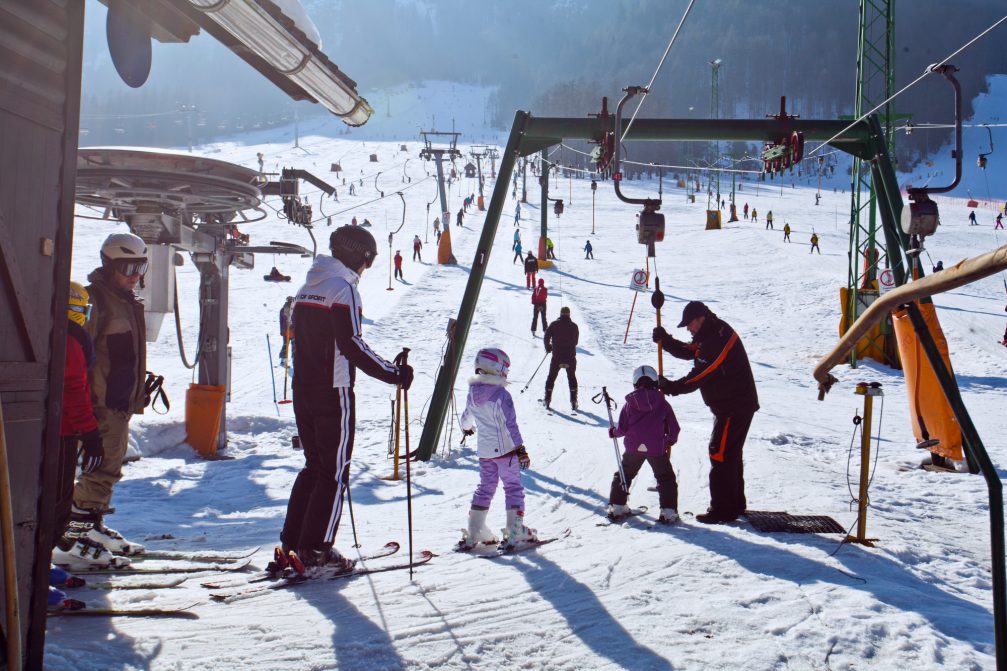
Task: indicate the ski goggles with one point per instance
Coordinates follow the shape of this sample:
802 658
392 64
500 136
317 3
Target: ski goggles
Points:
82 309
130 267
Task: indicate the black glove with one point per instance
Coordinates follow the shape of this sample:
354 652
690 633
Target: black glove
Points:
91 451
668 387
660 335
468 432
405 376
548 349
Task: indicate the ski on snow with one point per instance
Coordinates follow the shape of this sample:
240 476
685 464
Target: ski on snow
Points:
319 573
386 550
573 415
506 550
177 567
113 586
77 608
208 557
616 521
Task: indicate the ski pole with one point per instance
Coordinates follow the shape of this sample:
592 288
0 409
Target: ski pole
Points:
353 522
269 351
535 373
657 300
401 360
615 441
286 369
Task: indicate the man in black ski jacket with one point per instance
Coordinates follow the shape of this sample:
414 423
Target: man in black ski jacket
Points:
561 340
330 349
724 377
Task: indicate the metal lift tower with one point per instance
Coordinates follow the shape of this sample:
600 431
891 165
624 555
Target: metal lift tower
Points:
437 154
875 83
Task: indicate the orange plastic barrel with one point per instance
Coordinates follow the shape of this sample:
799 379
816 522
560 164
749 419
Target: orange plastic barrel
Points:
204 405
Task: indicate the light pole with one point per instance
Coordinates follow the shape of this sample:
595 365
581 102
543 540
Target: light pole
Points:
188 110
715 114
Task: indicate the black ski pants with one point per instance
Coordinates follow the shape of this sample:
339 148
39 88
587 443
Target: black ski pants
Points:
727 472
325 423
66 470
571 376
667 485
538 311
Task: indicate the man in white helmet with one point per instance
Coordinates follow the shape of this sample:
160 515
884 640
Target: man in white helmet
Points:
330 349
117 379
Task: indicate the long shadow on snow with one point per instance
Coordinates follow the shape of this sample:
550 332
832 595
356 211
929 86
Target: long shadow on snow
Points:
889 581
357 642
203 507
586 616
70 643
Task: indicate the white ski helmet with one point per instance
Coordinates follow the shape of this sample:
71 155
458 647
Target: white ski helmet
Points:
493 361
124 252
644 373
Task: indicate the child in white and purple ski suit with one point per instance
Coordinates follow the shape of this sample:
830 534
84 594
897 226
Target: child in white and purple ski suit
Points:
490 411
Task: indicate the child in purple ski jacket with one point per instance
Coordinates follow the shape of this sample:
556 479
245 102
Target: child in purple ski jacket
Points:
489 410
649 429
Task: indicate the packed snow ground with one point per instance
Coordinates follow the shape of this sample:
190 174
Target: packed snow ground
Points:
685 597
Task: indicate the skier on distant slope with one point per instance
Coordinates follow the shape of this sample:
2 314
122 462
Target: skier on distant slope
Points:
530 271
539 298
502 456
650 429
330 349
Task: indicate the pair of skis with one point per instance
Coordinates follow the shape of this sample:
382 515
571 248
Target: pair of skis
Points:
497 550
294 575
618 520
552 411
198 563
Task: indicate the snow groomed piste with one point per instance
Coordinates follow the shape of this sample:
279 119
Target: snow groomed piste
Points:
642 596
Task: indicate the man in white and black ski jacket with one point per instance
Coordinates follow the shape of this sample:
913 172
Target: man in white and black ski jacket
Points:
330 348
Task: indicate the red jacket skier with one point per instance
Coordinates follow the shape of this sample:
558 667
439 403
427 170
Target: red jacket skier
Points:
78 425
539 295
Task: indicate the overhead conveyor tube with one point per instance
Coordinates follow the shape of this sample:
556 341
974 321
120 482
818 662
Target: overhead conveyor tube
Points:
291 53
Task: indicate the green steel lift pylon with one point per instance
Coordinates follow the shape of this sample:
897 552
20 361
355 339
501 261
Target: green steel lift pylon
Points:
875 83
864 139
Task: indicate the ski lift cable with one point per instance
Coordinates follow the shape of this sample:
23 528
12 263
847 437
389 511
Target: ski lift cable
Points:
928 126
926 72
387 195
662 165
658 69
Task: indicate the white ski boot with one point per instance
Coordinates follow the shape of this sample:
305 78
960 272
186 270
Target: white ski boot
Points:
477 531
110 538
77 552
616 511
516 532
668 516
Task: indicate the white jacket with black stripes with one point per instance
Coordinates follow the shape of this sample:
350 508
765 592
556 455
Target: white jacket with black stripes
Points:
328 345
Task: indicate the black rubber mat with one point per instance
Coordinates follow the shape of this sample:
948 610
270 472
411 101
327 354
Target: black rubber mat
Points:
783 522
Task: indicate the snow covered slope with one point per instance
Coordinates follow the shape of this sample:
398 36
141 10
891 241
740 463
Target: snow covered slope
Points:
621 597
